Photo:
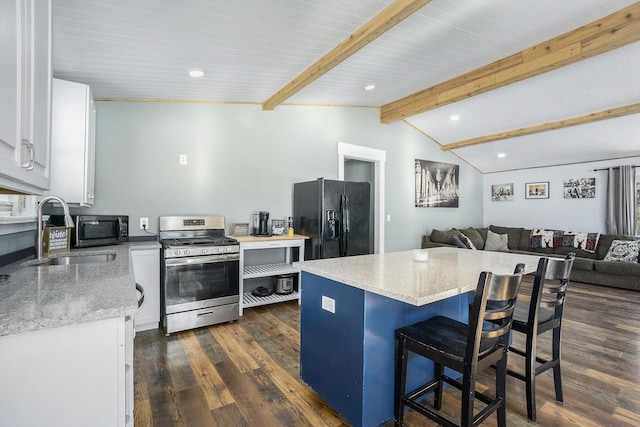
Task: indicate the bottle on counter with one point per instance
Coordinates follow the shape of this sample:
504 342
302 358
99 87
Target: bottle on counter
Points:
290 227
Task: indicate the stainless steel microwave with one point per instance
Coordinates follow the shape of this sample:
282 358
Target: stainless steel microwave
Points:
96 230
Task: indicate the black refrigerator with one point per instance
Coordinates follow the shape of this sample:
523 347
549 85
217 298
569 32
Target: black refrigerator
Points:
335 215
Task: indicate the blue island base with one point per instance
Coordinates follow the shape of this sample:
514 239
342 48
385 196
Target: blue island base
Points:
347 356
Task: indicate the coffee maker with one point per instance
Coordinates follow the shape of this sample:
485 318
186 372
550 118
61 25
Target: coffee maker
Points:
260 222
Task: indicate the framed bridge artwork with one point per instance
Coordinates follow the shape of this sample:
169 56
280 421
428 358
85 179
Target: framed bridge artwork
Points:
436 184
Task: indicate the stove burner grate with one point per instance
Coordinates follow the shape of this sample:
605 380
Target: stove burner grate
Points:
219 241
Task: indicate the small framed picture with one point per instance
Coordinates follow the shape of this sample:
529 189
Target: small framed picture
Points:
501 192
536 190
580 188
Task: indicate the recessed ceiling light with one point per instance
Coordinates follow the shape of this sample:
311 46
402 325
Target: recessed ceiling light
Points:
454 117
196 73
370 87
502 155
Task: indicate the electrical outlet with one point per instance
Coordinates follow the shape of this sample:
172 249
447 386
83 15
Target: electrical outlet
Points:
183 159
328 304
144 223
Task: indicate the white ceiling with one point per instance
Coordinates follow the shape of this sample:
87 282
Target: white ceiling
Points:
250 49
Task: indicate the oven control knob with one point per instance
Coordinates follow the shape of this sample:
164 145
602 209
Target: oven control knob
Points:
177 252
203 252
187 252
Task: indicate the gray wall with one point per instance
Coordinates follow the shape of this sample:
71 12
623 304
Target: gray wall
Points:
242 160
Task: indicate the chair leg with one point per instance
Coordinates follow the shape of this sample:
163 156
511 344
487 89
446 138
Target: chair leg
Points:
438 373
400 381
468 398
530 375
557 377
501 390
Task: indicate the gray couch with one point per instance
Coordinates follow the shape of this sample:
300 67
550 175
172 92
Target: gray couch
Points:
588 267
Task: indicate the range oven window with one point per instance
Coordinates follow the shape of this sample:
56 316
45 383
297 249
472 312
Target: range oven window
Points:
102 229
193 282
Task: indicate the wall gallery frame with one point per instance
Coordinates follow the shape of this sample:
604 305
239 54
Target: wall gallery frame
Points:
436 184
536 190
500 192
580 188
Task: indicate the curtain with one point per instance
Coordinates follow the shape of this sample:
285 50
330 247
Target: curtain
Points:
621 201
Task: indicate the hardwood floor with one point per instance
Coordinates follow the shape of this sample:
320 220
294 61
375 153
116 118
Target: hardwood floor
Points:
246 373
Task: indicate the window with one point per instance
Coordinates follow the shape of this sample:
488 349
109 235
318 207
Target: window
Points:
18 206
17 213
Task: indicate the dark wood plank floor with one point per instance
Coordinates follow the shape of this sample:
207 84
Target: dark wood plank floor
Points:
246 373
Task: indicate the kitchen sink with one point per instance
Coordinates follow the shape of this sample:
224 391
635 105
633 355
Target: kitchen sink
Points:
73 260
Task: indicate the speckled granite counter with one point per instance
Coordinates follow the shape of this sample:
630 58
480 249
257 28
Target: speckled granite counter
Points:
447 272
44 297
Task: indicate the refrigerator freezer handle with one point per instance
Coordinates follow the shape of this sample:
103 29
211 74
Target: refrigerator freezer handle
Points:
344 235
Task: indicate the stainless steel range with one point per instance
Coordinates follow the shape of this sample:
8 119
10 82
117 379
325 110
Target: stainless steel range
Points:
200 273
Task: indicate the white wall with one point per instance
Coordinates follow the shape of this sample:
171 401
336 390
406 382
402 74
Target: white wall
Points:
556 212
242 160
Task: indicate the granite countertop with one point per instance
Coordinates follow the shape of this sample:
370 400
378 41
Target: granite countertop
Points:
145 244
42 297
447 272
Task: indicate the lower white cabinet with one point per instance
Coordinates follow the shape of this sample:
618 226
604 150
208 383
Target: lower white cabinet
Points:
76 375
146 267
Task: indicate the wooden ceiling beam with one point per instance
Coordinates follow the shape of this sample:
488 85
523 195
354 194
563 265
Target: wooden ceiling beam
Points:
611 32
545 127
392 15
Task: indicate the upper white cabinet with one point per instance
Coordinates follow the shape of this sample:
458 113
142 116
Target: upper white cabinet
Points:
25 95
72 143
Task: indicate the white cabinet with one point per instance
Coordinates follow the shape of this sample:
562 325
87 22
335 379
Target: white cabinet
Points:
248 272
146 267
72 143
25 95
76 375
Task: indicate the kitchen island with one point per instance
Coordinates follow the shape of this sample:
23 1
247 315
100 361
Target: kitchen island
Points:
66 341
352 306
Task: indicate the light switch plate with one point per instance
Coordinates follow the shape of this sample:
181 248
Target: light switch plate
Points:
328 304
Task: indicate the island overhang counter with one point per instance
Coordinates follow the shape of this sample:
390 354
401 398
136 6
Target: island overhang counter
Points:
351 307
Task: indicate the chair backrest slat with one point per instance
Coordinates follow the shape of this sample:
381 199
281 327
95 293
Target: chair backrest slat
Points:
550 287
501 291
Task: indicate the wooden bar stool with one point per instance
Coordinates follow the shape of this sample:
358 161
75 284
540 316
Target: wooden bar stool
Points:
539 313
467 349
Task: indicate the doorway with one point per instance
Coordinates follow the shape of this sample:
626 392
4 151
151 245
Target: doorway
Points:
358 163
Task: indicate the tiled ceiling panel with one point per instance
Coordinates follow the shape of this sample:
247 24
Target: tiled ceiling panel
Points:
446 39
597 84
250 49
615 138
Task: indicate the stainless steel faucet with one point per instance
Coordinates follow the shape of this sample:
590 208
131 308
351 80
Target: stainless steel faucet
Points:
68 221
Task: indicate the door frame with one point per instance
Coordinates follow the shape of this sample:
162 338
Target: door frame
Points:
378 157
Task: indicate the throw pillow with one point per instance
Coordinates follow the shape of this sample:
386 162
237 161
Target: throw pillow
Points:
541 238
585 241
440 236
456 241
475 237
496 242
467 241
623 251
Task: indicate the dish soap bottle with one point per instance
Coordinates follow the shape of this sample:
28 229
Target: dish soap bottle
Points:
290 227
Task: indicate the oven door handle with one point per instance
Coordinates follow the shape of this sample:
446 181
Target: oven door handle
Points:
172 262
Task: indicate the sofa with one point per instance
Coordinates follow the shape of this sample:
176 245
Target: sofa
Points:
595 263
